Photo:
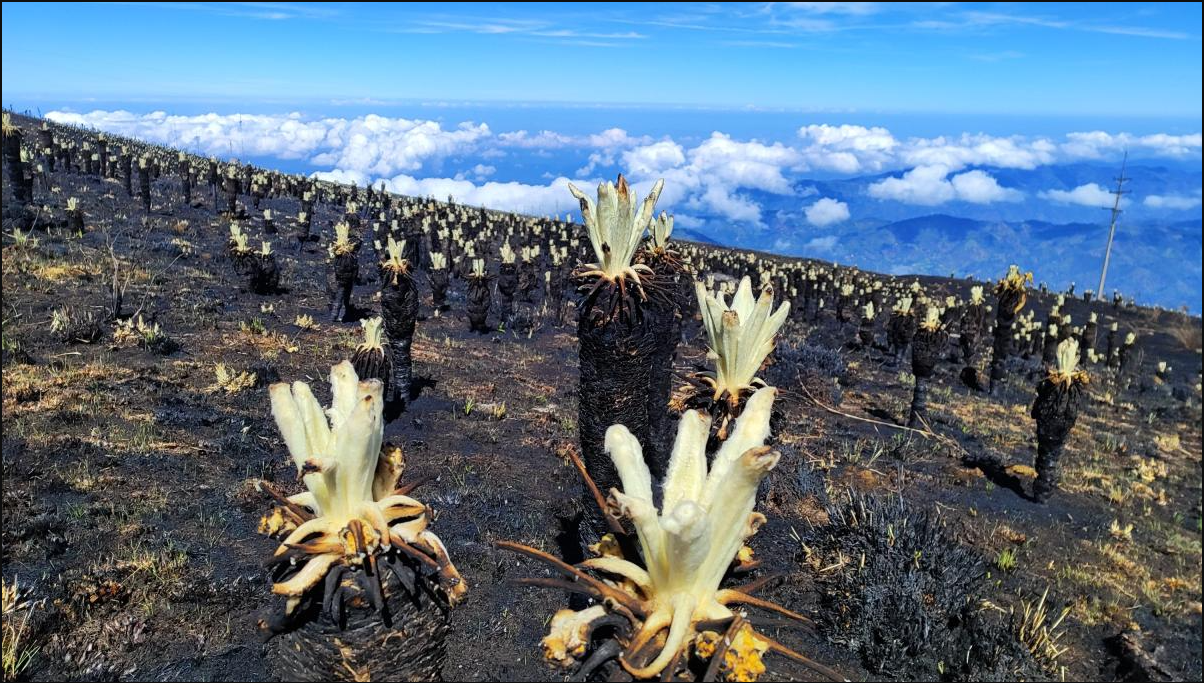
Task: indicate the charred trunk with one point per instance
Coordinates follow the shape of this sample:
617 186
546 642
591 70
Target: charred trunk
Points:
375 363
304 220
186 184
478 304
439 289
507 284
900 330
615 355
971 327
865 332
127 174
669 288
341 273
1007 305
1049 349
526 280
925 353
1056 409
144 187
399 308
16 167
264 274
75 220
1087 339
230 187
352 641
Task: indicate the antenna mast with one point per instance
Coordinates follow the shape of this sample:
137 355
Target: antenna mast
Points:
1116 211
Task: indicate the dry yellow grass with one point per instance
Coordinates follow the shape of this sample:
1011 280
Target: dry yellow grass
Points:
64 272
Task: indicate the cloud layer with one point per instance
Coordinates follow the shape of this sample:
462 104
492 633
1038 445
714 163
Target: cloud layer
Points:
717 177
1089 194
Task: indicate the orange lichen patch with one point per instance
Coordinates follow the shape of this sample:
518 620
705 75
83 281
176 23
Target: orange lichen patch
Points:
607 546
743 660
705 644
276 522
744 555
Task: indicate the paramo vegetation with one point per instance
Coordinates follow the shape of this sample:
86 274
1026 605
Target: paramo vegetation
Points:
727 466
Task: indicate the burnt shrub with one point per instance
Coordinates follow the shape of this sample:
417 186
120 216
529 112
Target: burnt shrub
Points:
819 368
908 598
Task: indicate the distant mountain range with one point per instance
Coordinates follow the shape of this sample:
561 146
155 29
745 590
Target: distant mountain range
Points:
1156 256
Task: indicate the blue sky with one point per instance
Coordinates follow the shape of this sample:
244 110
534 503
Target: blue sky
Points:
1069 59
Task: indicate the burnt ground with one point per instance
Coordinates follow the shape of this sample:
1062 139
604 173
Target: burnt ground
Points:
129 512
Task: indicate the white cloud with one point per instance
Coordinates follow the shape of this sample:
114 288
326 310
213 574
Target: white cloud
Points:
852 149
610 139
924 185
542 139
286 136
978 150
382 146
596 160
710 177
745 164
929 186
1172 201
339 175
836 7
478 172
848 149
647 161
1098 144
1090 194
371 144
827 211
978 187
553 198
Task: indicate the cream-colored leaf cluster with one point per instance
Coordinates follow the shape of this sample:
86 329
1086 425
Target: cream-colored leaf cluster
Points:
350 487
374 334
705 518
615 225
741 335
